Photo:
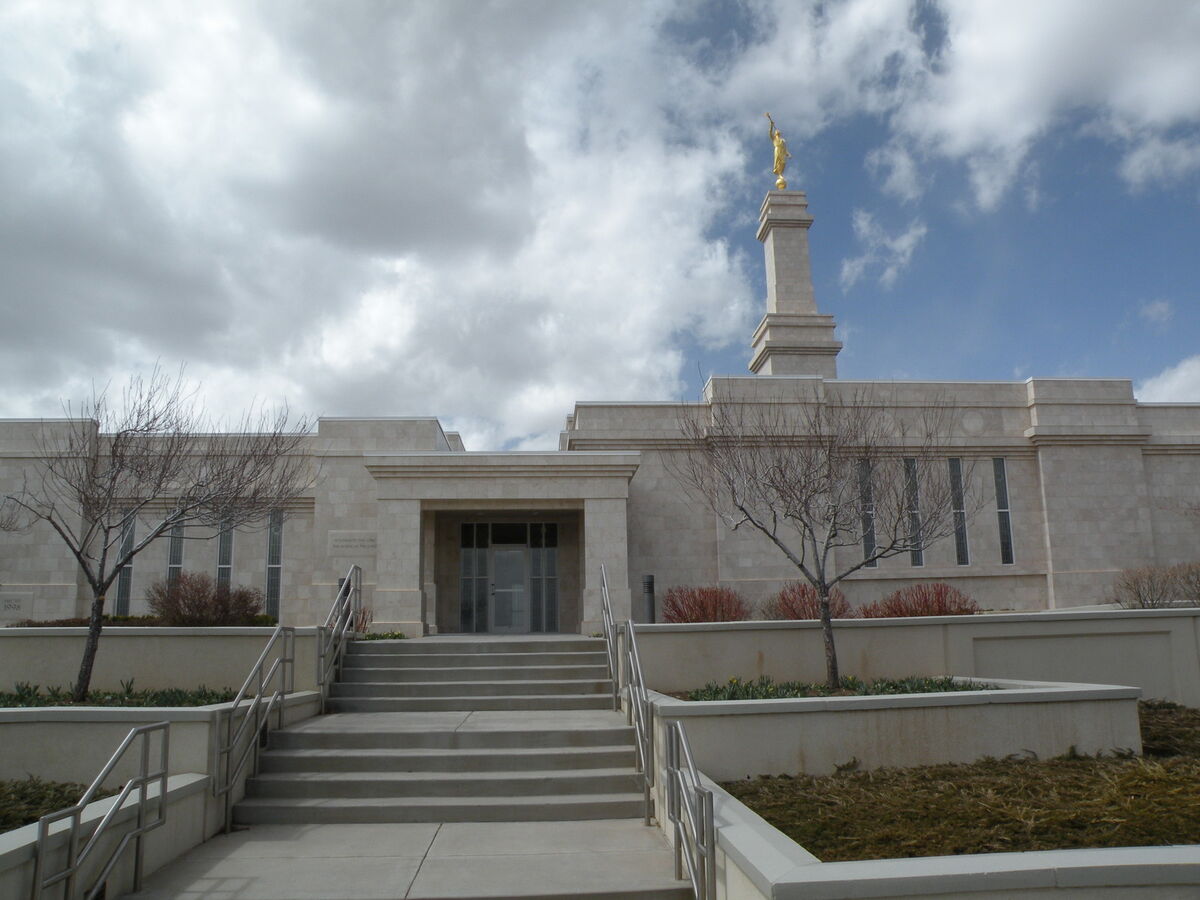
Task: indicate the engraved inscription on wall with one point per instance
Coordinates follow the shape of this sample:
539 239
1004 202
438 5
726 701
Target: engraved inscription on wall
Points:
353 543
14 606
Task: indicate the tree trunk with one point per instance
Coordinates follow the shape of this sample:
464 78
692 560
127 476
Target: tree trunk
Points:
84 682
832 677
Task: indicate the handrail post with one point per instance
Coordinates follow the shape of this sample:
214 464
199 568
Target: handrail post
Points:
144 775
710 846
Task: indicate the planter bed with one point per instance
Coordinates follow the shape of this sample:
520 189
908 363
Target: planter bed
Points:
994 805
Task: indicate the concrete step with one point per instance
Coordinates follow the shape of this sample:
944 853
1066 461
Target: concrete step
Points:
456 760
467 688
617 859
474 673
275 811
485 645
370 659
452 740
557 782
466 704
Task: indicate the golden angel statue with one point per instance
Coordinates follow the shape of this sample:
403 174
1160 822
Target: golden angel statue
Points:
781 154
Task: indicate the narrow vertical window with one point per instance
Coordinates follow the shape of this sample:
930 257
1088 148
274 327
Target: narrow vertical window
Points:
473 578
913 502
1003 514
225 556
962 553
175 555
125 576
274 562
867 504
543 577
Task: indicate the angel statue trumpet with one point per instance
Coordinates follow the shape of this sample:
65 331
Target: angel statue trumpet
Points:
781 154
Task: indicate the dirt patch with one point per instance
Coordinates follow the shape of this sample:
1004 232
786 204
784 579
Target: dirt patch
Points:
997 806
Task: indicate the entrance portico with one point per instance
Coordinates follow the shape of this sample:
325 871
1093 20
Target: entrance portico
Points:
500 542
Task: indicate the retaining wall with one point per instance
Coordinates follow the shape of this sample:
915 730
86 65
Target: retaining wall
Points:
153 657
1156 650
72 743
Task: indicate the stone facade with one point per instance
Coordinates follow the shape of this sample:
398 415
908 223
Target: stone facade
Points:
1096 482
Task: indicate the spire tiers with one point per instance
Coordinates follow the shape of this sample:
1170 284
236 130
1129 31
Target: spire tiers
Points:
793 338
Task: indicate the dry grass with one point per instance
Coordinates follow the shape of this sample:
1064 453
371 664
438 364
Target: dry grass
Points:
998 805
24 801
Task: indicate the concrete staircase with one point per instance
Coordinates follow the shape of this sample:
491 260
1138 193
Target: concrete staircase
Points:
455 730
479 674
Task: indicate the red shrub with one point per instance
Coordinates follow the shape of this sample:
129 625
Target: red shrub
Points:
704 604
798 600
934 598
194 600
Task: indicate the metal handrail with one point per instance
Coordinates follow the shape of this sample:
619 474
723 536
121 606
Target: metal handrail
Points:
689 803
638 711
253 719
640 715
690 811
76 857
331 637
610 639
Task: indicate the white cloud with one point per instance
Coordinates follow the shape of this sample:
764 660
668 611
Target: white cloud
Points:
477 212
896 168
1177 384
1157 312
1012 70
889 254
1158 160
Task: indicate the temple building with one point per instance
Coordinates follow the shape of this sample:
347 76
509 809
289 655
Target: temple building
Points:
1077 480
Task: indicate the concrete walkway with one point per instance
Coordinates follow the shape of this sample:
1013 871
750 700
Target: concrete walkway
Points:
606 858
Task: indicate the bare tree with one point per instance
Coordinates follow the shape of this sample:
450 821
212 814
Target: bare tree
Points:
152 459
823 475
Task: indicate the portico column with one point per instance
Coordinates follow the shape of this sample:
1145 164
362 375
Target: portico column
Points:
398 596
606 543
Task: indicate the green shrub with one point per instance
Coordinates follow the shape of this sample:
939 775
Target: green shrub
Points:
27 695
83 622
384 636
765 688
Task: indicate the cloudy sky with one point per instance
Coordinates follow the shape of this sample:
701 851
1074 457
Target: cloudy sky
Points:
485 211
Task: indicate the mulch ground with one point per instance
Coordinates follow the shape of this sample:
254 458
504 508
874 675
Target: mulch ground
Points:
995 806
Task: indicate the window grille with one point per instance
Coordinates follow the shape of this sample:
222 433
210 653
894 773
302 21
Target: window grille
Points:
1003 513
274 562
962 552
913 502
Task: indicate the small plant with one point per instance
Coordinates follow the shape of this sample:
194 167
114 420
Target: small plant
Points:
127 687
194 599
1158 587
362 620
25 691
799 600
704 604
385 636
926 599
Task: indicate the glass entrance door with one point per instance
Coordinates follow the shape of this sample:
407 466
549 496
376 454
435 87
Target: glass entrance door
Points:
510 598
508 577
